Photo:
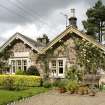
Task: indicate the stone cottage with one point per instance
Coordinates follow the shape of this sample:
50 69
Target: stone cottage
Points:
53 58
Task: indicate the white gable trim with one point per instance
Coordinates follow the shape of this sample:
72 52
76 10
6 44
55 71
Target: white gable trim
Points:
18 36
55 40
72 30
88 38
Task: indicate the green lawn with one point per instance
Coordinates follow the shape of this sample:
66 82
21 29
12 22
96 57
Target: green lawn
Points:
7 96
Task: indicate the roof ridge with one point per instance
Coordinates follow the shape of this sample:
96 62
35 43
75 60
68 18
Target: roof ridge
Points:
29 38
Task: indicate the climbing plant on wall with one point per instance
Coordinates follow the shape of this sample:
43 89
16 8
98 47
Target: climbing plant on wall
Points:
89 56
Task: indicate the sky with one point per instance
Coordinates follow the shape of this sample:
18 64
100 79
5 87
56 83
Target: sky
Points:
34 18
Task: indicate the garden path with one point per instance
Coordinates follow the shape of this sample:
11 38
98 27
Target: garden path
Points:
54 98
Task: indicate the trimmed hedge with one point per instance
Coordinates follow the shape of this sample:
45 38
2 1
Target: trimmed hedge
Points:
18 82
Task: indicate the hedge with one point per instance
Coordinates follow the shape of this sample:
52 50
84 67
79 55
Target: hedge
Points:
19 81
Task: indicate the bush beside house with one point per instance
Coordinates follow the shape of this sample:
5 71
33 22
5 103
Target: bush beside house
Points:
32 70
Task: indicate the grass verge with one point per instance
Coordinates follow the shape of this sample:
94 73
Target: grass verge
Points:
7 96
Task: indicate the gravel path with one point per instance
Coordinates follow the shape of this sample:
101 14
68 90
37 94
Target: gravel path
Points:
54 98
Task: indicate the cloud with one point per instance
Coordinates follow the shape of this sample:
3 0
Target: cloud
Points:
22 11
2 40
28 11
35 17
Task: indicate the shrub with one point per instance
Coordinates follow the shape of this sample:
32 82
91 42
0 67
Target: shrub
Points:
56 83
72 86
32 70
8 83
47 84
73 73
19 81
20 72
62 83
21 84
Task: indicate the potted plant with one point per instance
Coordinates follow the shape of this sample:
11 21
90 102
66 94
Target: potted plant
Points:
92 92
86 89
81 90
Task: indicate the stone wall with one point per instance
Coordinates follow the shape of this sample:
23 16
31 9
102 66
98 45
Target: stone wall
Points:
20 47
67 49
63 50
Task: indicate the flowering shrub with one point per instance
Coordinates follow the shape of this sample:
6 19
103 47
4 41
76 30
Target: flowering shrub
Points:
19 81
72 86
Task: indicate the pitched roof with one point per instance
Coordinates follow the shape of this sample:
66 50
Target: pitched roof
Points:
41 49
32 43
72 29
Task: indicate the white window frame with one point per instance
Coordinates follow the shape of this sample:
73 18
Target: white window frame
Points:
53 68
60 66
12 71
57 74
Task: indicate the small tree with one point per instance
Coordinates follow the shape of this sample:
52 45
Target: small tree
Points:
4 55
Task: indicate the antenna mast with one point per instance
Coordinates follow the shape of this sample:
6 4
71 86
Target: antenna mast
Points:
66 17
73 12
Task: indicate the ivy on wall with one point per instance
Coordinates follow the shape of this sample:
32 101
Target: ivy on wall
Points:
89 56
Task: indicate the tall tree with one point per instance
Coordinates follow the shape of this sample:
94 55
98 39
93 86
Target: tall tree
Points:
4 55
95 22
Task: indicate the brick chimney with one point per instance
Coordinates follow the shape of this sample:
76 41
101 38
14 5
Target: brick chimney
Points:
43 40
73 19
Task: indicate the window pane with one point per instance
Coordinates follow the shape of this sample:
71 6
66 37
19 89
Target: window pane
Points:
19 62
24 62
24 65
13 69
53 63
54 70
19 67
8 70
60 62
60 70
25 68
13 62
